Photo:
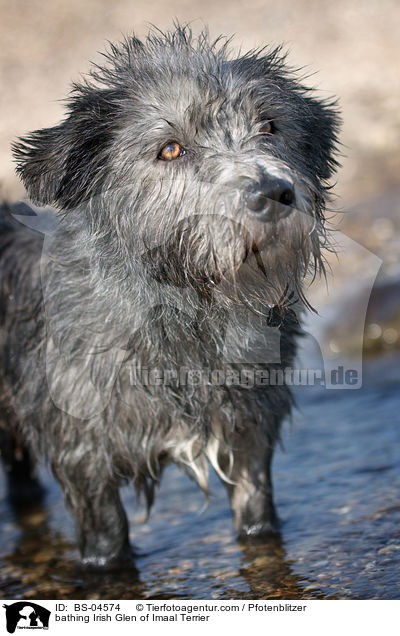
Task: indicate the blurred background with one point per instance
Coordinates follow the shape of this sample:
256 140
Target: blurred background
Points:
337 483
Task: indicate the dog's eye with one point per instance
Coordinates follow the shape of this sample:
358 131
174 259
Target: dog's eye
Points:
171 151
267 128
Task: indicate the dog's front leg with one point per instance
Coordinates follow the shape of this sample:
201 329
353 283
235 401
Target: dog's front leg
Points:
251 491
101 523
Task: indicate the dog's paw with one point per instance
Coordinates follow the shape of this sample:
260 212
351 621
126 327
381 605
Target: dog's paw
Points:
259 532
108 563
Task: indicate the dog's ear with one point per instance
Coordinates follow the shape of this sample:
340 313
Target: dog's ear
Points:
320 128
64 165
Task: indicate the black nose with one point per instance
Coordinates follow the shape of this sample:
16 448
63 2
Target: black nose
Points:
270 199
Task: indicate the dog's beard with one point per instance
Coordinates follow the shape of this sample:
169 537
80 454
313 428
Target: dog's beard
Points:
258 265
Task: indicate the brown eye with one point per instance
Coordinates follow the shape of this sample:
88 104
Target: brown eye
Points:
171 151
266 128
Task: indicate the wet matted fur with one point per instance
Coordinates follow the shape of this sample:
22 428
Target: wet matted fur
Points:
189 189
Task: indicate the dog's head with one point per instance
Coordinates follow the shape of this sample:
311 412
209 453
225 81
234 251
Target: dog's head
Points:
192 162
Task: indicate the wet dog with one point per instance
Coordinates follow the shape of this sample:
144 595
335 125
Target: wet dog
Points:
143 314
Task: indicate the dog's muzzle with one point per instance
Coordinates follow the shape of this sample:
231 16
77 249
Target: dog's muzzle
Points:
270 199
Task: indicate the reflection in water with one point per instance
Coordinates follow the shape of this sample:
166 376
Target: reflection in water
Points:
268 572
43 565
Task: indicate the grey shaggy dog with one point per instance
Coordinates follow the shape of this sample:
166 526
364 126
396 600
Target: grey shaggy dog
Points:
189 190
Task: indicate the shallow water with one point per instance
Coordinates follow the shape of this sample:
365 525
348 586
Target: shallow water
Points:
337 485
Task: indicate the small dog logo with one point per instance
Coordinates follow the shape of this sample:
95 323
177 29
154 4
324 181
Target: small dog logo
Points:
26 615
